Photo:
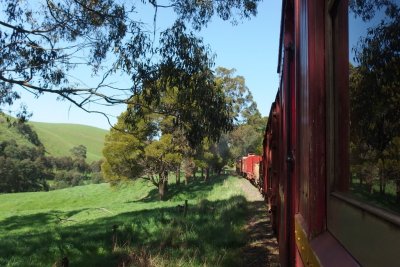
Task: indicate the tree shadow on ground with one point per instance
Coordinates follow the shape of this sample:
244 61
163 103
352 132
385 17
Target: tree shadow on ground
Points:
211 233
262 246
37 220
195 188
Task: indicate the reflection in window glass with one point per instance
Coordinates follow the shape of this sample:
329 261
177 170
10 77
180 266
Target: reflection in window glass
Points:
374 84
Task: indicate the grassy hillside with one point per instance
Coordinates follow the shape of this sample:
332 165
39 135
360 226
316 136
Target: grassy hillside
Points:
59 138
9 133
38 229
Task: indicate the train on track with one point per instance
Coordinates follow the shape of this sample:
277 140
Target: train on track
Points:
307 172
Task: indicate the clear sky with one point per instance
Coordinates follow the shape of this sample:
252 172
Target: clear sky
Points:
250 47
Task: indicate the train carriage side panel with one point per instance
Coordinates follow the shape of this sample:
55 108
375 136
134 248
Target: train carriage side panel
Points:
256 169
285 211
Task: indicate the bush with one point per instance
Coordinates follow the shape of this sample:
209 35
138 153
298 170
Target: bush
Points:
97 178
64 179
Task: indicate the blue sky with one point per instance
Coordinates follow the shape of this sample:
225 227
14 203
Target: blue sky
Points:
250 47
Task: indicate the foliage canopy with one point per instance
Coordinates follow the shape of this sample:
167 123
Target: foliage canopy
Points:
43 44
375 96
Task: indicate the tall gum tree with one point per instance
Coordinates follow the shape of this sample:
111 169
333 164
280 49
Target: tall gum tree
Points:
375 91
148 140
44 43
247 133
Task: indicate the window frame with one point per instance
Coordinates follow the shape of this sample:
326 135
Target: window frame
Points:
360 227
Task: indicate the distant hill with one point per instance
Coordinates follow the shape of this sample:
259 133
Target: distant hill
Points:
59 138
8 132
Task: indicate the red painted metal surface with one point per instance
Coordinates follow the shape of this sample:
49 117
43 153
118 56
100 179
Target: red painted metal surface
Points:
250 166
317 107
306 141
294 178
341 83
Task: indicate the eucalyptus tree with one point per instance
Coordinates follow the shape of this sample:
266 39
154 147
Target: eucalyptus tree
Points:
247 132
44 44
216 155
22 168
152 138
236 94
161 157
374 84
124 148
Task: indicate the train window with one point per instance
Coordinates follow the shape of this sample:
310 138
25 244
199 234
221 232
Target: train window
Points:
363 128
374 92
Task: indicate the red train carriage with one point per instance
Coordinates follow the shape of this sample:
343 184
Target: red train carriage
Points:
243 166
320 212
269 176
250 167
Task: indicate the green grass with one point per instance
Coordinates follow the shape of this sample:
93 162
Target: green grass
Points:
385 201
59 138
38 229
9 133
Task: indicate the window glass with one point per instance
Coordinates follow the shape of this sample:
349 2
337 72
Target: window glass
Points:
374 84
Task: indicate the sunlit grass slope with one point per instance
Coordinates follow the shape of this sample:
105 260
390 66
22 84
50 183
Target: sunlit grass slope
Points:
59 138
37 229
11 133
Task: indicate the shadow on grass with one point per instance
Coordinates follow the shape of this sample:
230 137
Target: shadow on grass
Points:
210 234
36 220
181 192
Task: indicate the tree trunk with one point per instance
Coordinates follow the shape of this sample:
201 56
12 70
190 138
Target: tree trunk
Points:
370 188
178 176
161 190
207 174
194 172
202 173
381 184
163 185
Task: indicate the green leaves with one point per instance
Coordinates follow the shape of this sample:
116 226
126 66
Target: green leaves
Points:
79 152
374 83
163 153
375 97
199 13
22 168
44 44
123 154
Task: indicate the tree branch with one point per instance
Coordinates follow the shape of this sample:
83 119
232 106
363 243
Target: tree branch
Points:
22 30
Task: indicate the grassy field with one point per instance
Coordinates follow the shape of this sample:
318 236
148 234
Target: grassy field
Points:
97 225
59 138
9 133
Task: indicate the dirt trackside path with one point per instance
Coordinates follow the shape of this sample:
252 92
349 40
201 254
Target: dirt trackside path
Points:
262 247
